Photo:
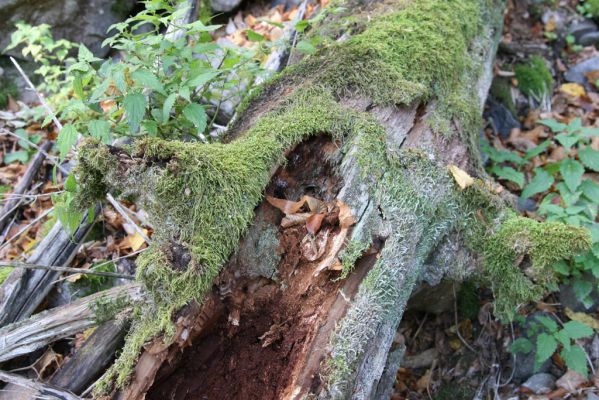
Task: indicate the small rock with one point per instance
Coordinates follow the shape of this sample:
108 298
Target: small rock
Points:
421 360
592 396
578 72
224 5
571 381
524 366
595 348
526 205
589 39
502 120
540 383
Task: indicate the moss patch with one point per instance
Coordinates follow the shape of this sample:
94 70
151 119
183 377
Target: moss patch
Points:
543 244
534 79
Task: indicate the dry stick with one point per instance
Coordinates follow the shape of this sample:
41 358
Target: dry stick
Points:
26 228
18 264
51 158
59 126
43 389
13 204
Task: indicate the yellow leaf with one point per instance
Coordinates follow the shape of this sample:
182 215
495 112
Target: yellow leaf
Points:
461 177
586 319
74 278
572 89
135 241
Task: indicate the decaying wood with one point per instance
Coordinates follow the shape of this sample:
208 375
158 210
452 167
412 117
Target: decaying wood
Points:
90 360
16 199
48 326
17 264
24 290
38 390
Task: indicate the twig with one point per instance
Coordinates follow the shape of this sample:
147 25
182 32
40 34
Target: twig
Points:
18 264
50 157
43 388
457 326
124 214
26 228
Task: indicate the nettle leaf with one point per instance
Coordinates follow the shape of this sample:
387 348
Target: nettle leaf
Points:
167 106
572 172
196 114
589 157
301 26
575 359
541 182
66 140
546 346
521 345
254 36
590 189
135 106
582 288
99 129
70 184
18 155
577 330
144 77
201 79
553 125
303 46
548 323
567 140
510 174
537 150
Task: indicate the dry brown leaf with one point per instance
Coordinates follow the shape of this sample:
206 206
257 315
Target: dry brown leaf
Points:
312 247
314 222
586 319
461 177
425 381
136 241
346 219
571 381
294 219
292 207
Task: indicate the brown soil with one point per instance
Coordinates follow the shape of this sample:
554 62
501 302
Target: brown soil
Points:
270 339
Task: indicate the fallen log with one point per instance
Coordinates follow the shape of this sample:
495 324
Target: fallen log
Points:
28 335
37 389
377 133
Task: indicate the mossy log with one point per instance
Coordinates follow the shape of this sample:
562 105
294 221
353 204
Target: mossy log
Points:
375 120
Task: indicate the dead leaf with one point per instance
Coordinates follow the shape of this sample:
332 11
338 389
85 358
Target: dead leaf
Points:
136 241
425 381
314 247
572 89
48 363
292 207
571 381
346 219
294 219
586 319
461 177
314 222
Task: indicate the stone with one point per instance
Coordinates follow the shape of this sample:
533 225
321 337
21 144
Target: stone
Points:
78 21
568 299
571 381
526 205
592 396
540 383
224 5
524 364
421 360
583 31
578 72
501 119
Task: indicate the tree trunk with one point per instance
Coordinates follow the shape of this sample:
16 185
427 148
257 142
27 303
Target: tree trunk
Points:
367 128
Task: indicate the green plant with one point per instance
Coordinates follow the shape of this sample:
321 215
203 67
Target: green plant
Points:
589 8
534 79
8 88
549 336
26 148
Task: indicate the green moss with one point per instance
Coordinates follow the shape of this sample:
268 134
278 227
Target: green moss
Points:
501 90
543 244
534 79
7 89
350 255
468 301
106 309
592 7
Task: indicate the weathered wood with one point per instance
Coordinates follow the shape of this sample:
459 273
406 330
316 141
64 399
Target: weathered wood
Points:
24 290
17 264
16 199
38 390
48 326
91 359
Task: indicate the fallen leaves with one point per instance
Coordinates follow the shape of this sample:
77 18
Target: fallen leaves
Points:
461 177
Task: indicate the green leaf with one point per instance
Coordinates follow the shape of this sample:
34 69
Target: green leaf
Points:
589 157
546 346
553 125
303 46
66 140
509 174
135 106
548 323
577 330
537 150
590 189
86 55
572 172
254 36
201 79
167 106
70 184
19 155
196 114
575 359
521 345
301 26
582 288
567 140
561 267
541 182
144 77
99 129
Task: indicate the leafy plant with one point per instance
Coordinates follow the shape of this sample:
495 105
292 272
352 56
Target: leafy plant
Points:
589 8
549 337
534 79
26 150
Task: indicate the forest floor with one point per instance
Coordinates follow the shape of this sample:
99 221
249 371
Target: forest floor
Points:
460 351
